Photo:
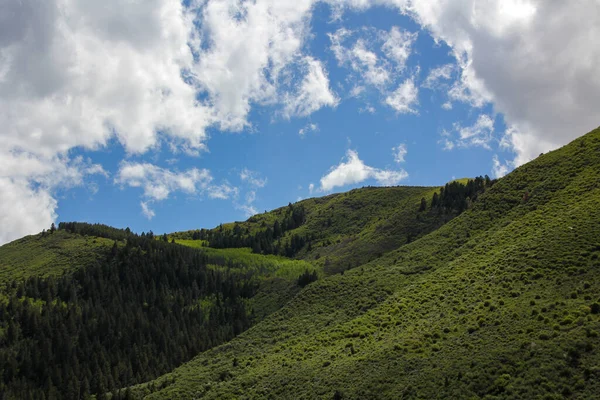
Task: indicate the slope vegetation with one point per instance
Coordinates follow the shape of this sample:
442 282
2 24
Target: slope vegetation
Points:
49 254
500 302
335 232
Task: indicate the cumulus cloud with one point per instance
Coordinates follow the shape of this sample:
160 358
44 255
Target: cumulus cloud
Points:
353 170
404 98
399 152
28 184
25 209
159 183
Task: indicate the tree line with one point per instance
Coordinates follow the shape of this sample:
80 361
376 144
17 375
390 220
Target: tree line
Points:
456 196
268 240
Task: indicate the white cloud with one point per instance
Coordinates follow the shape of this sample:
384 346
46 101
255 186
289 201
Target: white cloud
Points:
313 92
311 188
353 170
76 73
377 70
442 73
310 127
398 45
500 169
400 152
404 98
253 178
146 210
478 134
159 183
24 209
28 184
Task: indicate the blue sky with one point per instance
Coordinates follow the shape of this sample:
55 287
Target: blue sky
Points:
170 116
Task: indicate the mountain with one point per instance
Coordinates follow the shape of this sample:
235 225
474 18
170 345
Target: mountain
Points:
500 302
478 289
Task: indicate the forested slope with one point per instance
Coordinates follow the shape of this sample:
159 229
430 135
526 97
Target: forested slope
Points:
87 309
500 302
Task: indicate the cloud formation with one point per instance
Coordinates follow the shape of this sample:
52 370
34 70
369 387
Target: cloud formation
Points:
353 170
313 92
404 98
158 183
535 60
399 152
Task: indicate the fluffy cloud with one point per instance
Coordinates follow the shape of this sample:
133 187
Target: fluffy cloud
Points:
158 183
76 73
25 209
353 170
28 184
400 152
404 98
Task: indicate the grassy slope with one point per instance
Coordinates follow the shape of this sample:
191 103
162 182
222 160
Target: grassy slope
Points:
358 226
496 304
51 254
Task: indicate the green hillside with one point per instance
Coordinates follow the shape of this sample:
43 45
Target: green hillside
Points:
500 302
338 231
49 254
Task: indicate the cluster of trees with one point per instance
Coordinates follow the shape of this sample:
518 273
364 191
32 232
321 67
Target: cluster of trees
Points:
144 309
267 240
307 277
456 196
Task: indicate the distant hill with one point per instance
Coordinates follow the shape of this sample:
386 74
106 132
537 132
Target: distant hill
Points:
335 232
500 302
